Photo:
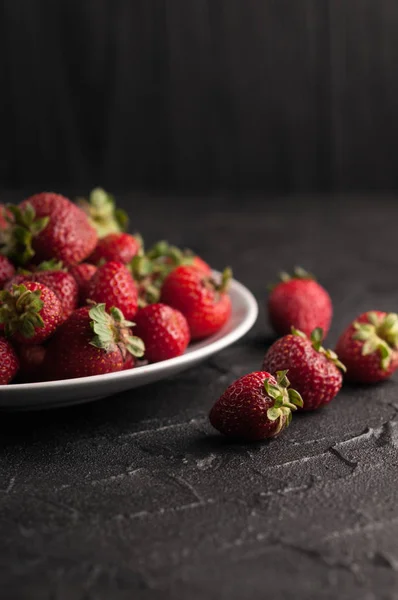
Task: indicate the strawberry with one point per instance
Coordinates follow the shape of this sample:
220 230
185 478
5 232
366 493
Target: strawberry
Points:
300 302
51 274
103 214
255 407
92 342
82 274
129 363
369 347
30 312
150 269
16 240
113 285
31 359
204 303
67 234
121 247
5 217
9 363
313 371
7 270
164 330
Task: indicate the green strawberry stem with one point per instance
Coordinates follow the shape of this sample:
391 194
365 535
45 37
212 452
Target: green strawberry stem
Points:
112 330
284 277
20 311
16 240
103 214
316 339
285 400
380 335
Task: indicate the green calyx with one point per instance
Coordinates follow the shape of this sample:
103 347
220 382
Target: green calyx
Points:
380 335
103 213
151 268
51 265
112 330
316 341
285 400
298 273
20 311
16 240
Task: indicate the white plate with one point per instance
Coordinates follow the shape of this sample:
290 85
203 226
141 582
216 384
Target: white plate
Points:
52 394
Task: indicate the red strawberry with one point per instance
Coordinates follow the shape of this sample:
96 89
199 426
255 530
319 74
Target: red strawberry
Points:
201 265
313 371
164 330
7 270
31 359
62 283
67 236
113 285
92 342
369 347
205 304
255 407
30 312
151 269
129 363
9 363
300 302
82 274
121 247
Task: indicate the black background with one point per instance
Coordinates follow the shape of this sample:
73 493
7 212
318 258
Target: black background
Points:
268 95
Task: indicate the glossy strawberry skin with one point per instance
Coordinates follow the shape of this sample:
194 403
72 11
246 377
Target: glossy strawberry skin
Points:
164 330
51 313
9 363
241 411
7 270
363 369
201 265
315 377
70 353
205 309
31 359
121 247
301 303
113 285
68 237
60 282
82 274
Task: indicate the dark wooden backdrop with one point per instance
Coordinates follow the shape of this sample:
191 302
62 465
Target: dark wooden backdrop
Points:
286 95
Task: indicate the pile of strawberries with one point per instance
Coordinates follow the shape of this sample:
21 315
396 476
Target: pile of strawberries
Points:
259 405
81 297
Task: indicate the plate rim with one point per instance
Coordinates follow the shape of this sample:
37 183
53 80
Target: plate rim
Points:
201 353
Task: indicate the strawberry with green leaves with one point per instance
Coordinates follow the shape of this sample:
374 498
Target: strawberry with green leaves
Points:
93 341
255 407
369 347
52 275
30 312
65 232
313 371
299 301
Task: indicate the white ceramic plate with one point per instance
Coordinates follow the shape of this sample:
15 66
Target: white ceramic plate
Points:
52 394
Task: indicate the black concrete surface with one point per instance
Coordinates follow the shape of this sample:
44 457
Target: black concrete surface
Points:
136 497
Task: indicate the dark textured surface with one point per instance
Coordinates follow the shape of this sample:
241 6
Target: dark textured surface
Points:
286 95
136 496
